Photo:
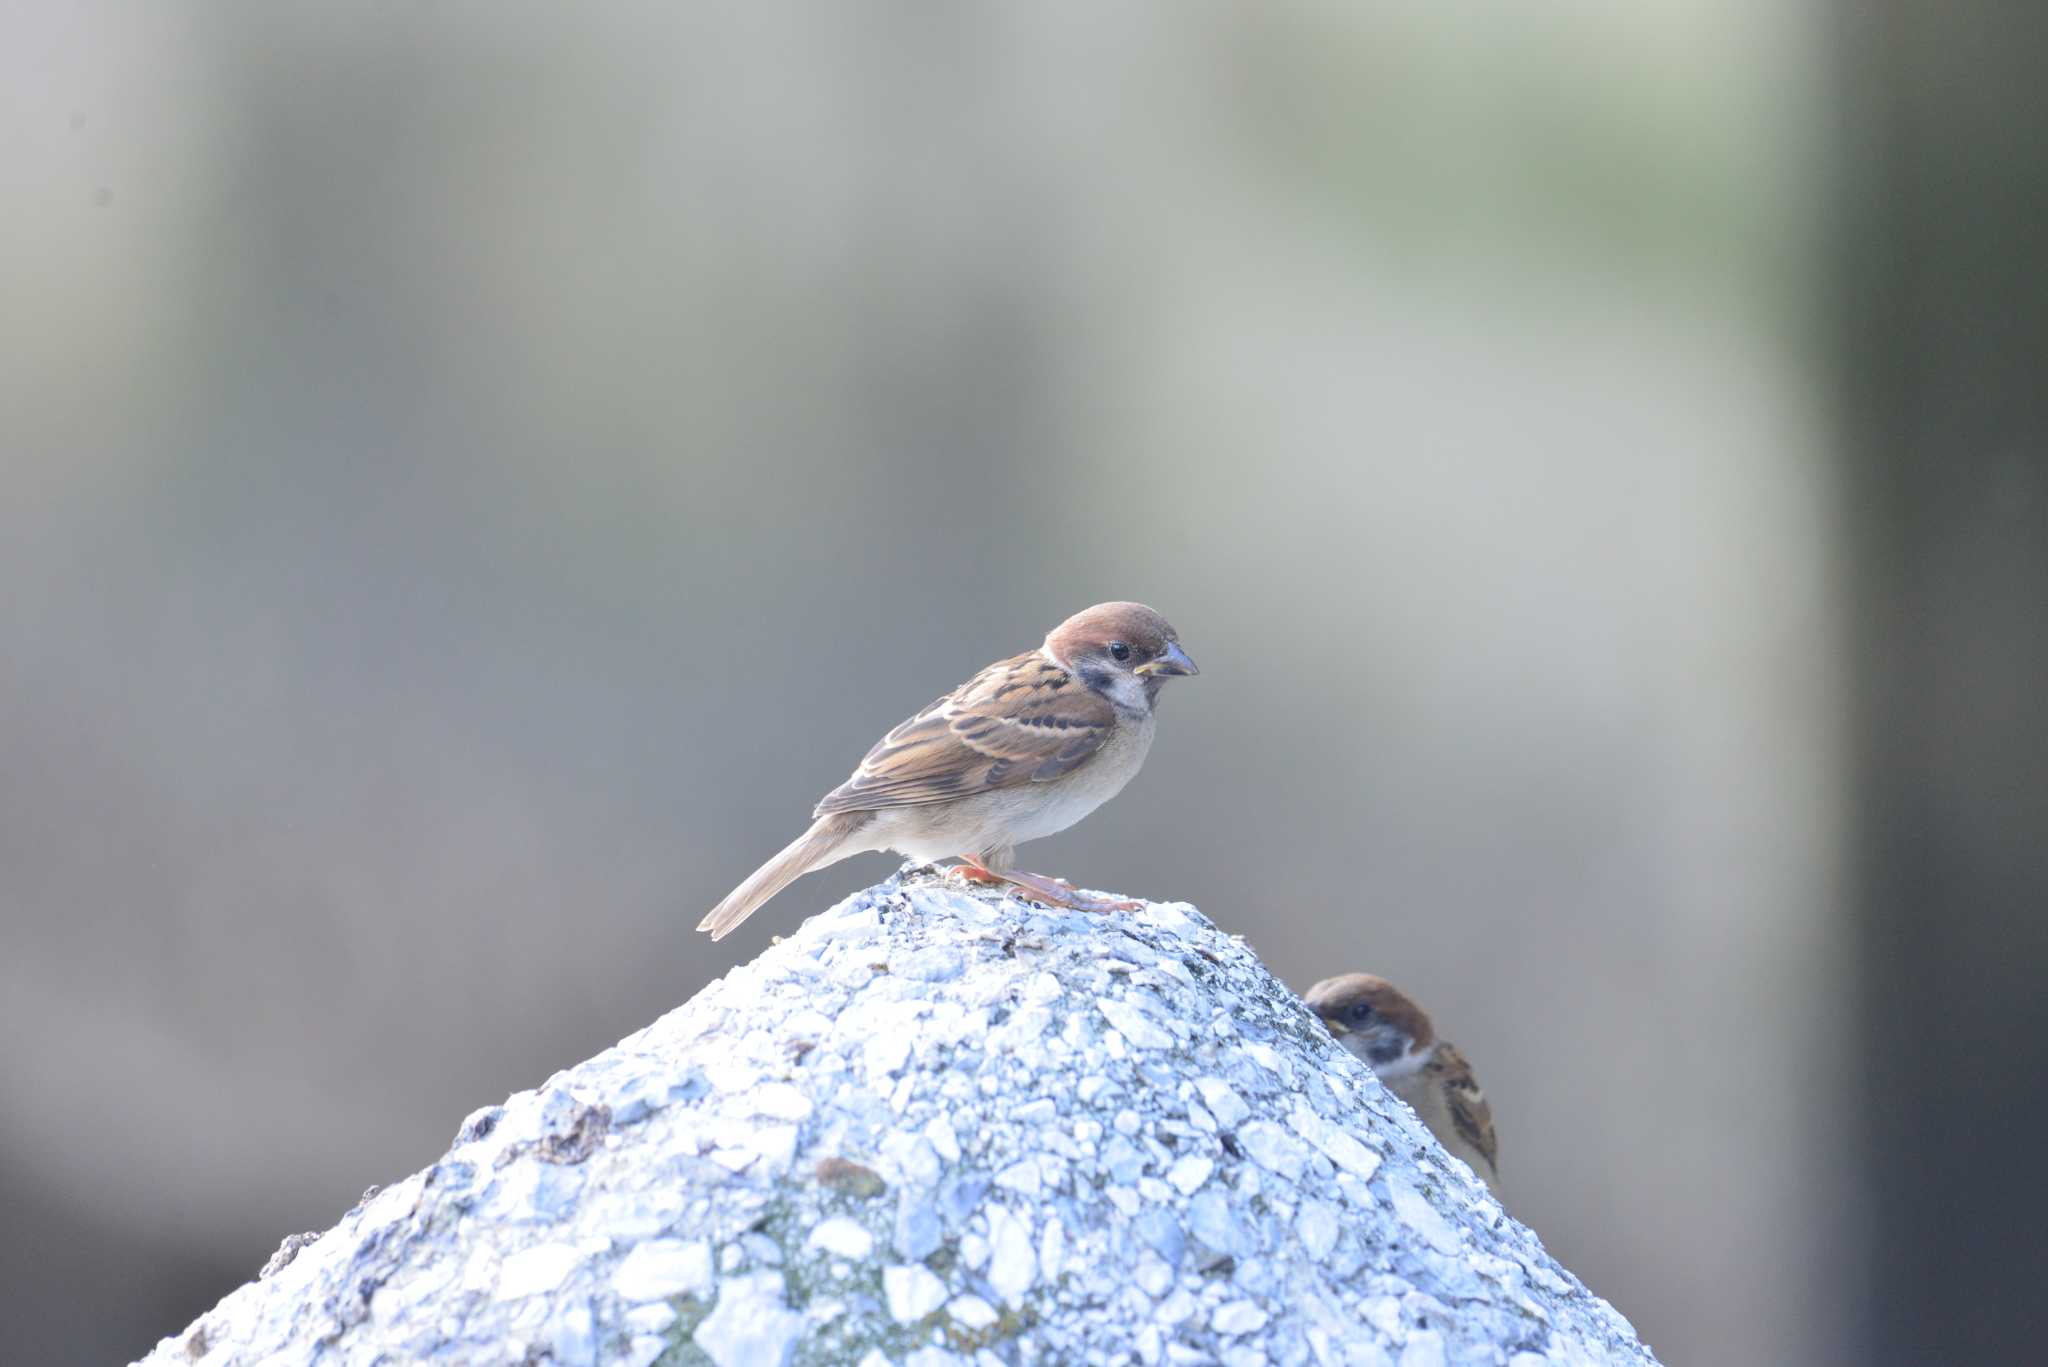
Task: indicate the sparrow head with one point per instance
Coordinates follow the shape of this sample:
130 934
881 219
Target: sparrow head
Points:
1376 1021
1124 651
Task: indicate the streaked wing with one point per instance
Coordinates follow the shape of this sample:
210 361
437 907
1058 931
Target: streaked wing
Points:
1470 1112
1021 720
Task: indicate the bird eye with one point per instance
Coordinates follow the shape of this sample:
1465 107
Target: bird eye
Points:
1362 1011
1118 650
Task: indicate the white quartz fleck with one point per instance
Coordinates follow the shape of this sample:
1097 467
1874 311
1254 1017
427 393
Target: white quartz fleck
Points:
775 1145
1273 1149
1425 1349
657 1269
884 1055
1355 1193
1189 1172
1013 1266
1167 916
913 1290
1316 1226
945 1141
532 1271
780 1100
1021 1177
1238 1317
842 1237
1347 1153
1223 1101
972 1311
1052 1249
643 1349
1041 988
730 1074
1266 1058
479 1270
574 1342
1383 1313
1037 1111
751 1326
910 1158
810 1025
652 1318
1133 1024
1152 1275
1418 1214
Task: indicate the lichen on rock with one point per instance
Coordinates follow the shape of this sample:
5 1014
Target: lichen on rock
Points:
937 1125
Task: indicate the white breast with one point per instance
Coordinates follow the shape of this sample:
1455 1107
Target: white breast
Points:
1064 801
1006 818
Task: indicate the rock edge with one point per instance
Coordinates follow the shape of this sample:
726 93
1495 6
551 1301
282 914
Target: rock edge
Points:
938 1126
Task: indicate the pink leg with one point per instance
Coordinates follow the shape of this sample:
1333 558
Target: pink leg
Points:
1055 893
969 870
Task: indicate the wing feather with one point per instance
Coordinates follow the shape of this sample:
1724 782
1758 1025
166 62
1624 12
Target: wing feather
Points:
1470 1112
1021 720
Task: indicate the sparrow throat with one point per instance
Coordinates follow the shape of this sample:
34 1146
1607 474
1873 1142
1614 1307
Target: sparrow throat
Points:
1126 692
1392 1055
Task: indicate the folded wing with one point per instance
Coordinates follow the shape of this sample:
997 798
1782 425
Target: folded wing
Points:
1470 1112
1021 720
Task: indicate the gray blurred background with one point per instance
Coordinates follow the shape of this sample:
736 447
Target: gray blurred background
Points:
474 475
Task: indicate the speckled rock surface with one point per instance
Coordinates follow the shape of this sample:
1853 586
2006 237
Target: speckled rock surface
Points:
933 1127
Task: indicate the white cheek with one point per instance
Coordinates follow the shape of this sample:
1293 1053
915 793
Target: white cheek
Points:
1408 1065
1127 693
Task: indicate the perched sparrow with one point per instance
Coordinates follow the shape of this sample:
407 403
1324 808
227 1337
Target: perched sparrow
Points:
1374 1020
1025 748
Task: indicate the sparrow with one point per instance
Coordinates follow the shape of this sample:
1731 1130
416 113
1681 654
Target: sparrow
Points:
1024 749
1392 1035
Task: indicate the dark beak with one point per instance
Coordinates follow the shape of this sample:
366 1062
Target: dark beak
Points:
1174 661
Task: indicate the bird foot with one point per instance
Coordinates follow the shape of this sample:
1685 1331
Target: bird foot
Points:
1036 887
975 873
1057 892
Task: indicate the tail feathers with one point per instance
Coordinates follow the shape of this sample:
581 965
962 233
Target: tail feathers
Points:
827 842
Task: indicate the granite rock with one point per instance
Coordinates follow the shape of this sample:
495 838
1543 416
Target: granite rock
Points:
936 1124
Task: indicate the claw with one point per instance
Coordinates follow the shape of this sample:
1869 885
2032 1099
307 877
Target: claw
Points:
971 872
1055 892
1036 887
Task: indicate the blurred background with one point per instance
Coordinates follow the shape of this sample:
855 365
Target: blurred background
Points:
472 476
